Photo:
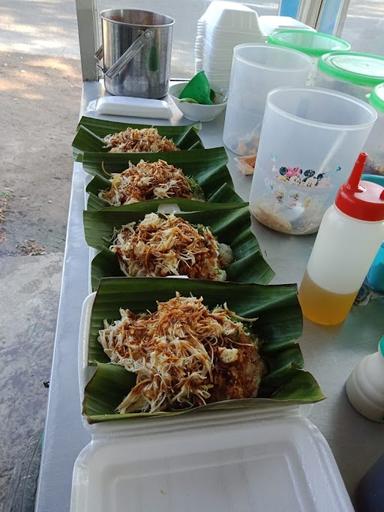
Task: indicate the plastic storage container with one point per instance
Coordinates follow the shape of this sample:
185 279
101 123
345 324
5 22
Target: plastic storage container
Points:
349 236
350 72
314 44
256 70
273 459
375 143
309 142
375 277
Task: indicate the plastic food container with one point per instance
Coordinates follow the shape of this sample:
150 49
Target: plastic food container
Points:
350 72
375 143
256 70
357 74
273 459
314 44
375 277
309 143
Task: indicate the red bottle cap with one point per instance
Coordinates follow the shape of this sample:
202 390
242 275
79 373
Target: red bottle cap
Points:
361 199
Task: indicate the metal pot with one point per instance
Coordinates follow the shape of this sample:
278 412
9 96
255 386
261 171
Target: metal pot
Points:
136 52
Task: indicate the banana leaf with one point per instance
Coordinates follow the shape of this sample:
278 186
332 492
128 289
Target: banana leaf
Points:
230 226
207 167
90 133
223 197
278 325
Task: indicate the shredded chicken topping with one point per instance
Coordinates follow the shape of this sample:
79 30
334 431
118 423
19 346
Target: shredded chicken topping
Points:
134 140
147 180
183 355
164 245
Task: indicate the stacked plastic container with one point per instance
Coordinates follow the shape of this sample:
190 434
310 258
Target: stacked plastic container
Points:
219 30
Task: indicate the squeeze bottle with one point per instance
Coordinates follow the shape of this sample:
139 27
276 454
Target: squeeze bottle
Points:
349 236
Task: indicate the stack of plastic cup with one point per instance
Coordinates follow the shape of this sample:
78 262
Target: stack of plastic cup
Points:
223 26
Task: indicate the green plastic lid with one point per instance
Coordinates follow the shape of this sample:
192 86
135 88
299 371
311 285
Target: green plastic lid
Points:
314 44
364 69
376 98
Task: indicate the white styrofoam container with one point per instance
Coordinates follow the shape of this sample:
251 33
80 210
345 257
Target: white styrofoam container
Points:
129 106
253 464
269 460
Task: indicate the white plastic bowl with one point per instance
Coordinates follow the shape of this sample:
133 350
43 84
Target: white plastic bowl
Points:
195 111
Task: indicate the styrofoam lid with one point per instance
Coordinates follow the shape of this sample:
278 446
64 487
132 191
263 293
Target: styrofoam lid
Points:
242 463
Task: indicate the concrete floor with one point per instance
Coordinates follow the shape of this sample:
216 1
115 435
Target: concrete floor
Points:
40 87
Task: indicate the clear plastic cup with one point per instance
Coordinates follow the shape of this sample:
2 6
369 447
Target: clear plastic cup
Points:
256 70
309 142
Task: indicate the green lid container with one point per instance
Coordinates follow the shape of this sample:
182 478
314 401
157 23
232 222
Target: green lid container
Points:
365 69
376 98
314 44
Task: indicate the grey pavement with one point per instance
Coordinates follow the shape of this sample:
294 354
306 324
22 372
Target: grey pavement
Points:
40 87
29 289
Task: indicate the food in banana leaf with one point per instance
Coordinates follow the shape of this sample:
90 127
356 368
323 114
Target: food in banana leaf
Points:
165 245
183 355
134 140
150 180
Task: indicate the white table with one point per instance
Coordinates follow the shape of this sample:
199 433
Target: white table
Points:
330 354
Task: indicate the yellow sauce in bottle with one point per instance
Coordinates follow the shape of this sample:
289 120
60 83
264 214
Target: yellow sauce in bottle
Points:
322 306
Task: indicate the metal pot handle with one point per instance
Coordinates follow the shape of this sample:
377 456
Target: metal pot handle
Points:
99 53
128 55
